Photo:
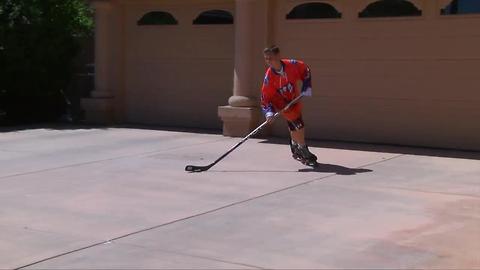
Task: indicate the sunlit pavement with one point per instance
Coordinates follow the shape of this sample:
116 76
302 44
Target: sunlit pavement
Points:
120 198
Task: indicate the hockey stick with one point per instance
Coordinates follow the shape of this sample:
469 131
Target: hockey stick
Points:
192 168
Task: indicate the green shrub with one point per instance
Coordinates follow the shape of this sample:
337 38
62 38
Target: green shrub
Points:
39 40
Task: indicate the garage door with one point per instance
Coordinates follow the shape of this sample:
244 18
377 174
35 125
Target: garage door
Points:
411 79
179 62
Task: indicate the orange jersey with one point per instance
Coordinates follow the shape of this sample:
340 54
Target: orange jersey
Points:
279 88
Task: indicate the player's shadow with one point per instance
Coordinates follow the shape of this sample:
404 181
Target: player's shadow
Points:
320 168
337 169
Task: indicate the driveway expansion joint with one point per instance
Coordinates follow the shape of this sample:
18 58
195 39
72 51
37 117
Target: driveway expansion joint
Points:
196 256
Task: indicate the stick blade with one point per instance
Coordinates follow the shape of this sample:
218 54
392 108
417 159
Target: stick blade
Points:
192 168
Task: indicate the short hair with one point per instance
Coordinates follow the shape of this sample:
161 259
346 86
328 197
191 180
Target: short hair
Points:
272 49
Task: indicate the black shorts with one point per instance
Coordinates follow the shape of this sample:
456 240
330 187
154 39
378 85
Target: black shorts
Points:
296 124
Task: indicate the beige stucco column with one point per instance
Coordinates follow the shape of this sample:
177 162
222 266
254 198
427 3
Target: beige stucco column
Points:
244 53
242 113
99 107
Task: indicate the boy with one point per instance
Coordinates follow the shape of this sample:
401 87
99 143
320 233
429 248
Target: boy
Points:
284 81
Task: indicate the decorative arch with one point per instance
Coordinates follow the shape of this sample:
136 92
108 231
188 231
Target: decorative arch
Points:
313 10
157 18
390 8
214 16
461 7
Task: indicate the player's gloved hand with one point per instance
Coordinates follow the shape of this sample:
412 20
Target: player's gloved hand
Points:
307 92
269 117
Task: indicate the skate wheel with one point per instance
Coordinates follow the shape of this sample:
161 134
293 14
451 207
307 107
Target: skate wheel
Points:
297 157
310 163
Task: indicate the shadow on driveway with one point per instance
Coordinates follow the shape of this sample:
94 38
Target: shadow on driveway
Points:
384 148
320 168
331 168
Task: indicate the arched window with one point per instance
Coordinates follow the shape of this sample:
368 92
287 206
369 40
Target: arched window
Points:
314 10
214 17
390 8
461 7
157 18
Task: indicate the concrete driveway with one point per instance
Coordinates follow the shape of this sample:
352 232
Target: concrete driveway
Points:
85 198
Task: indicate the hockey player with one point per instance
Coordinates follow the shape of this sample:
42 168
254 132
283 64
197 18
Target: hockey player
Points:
284 81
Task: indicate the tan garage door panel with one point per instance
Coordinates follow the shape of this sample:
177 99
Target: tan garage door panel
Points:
411 81
178 75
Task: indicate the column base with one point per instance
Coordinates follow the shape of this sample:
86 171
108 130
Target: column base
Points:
239 121
98 110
